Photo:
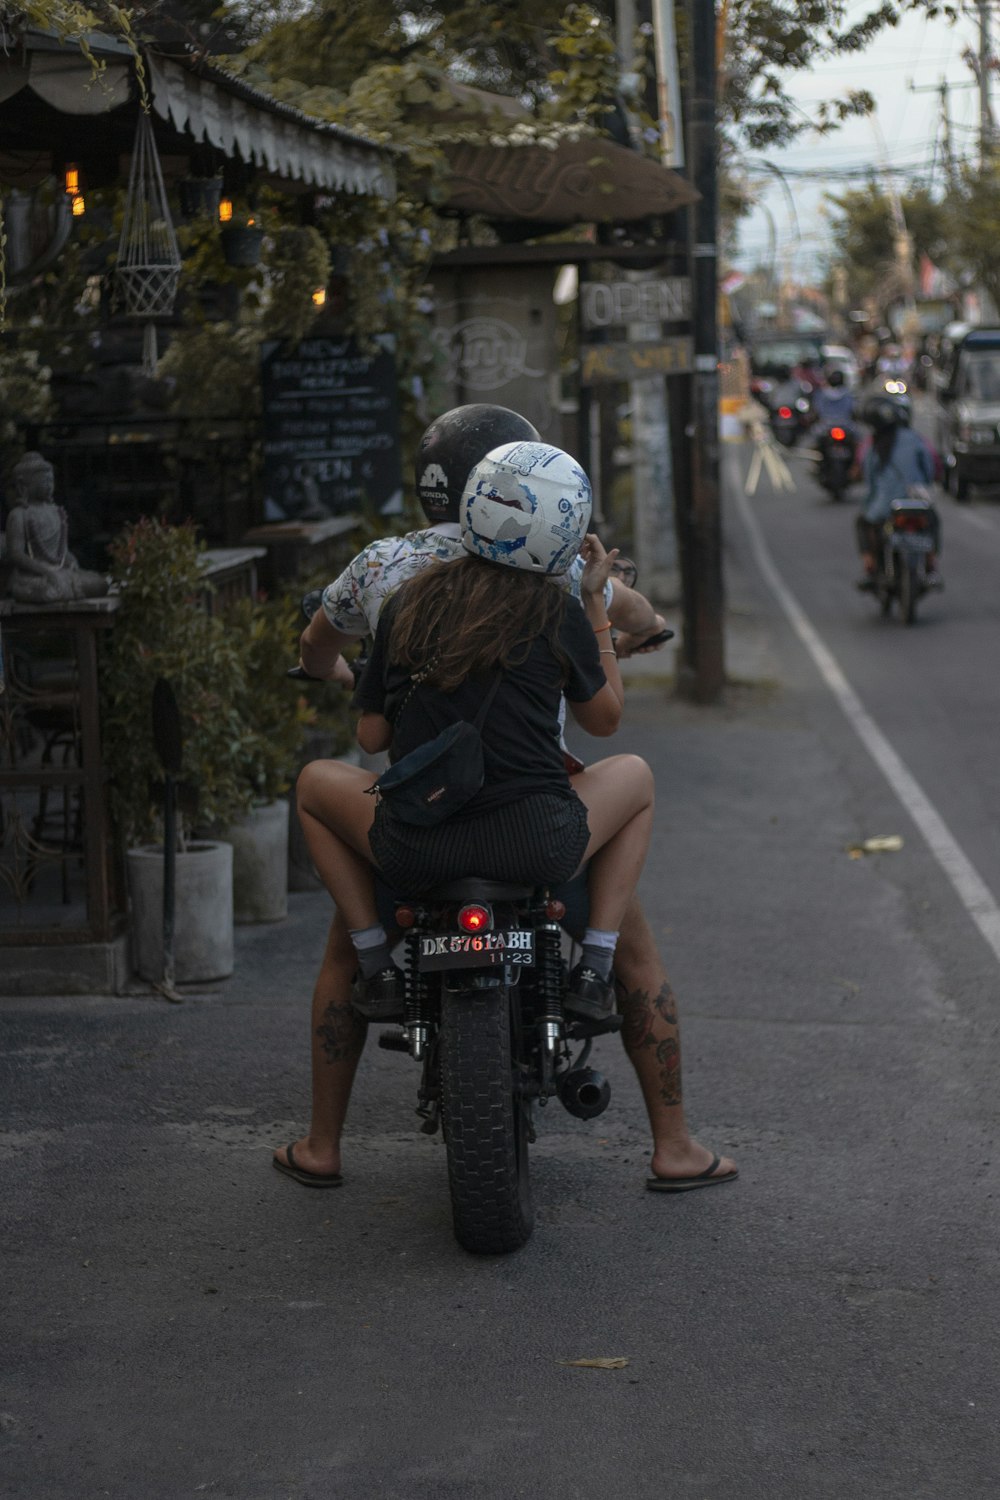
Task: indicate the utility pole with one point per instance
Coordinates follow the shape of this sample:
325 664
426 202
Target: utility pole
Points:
983 73
700 659
981 62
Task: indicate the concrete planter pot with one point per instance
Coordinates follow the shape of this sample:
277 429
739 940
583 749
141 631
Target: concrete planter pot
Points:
260 863
203 920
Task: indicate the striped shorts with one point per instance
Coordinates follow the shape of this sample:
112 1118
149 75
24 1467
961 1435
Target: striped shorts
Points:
539 840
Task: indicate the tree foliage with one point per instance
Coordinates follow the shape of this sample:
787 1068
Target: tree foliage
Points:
973 210
864 235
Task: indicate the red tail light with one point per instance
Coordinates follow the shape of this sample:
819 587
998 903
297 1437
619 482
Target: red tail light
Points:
405 916
907 520
838 434
554 910
784 411
475 918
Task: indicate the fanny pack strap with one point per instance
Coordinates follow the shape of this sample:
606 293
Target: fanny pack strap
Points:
477 722
487 704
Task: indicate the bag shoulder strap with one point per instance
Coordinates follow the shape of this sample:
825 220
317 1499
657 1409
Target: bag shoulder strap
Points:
487 704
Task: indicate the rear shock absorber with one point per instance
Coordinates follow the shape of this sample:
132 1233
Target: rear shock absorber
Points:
415 1017
548 995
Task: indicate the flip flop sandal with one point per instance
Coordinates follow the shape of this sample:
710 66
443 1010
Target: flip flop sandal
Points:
684 1184
308 1179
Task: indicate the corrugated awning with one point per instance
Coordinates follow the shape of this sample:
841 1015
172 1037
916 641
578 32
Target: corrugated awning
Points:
226 113
202 102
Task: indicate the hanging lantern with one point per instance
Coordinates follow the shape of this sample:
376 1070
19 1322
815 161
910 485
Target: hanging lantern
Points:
149 261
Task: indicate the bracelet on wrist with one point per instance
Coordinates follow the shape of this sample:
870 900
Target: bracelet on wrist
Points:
599 628
607 651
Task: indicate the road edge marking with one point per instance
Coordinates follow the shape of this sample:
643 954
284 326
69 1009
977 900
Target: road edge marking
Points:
965 879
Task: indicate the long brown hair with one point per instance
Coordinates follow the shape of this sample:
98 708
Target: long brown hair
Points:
466 618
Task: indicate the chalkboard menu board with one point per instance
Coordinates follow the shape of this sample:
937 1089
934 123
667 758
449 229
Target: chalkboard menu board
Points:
331 428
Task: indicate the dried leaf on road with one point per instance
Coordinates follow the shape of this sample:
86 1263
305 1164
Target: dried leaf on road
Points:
618 1363
881 843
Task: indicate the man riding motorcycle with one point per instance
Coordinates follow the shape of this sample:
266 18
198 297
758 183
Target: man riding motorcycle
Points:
449 449
897 461
833 403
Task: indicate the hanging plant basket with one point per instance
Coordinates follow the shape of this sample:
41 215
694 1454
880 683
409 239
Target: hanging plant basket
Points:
242 245
149 261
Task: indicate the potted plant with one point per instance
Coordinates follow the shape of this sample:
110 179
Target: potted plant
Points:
163 630
281 717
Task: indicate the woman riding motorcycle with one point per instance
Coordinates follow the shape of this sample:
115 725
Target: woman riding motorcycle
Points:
498 610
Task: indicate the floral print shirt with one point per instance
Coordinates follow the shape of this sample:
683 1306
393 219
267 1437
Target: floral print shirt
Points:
353 602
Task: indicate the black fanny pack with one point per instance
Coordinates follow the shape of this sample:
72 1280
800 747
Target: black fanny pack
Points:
437 779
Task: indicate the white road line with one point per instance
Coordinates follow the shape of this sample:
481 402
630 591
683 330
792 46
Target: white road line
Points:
969 886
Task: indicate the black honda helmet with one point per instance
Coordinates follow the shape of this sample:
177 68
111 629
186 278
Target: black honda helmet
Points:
453 444
881 413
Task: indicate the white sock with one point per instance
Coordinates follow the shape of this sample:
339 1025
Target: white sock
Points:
371 944
599 951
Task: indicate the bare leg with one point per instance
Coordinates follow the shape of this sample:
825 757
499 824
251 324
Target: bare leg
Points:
338 1037
618 794
336 817
652 1039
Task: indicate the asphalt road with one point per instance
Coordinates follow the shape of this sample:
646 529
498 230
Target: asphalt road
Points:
182 1321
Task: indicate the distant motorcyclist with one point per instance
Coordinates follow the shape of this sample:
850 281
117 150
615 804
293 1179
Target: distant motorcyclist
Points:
807 373
897 461
833 403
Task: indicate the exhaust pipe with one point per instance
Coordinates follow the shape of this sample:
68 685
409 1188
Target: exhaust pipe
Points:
584 1093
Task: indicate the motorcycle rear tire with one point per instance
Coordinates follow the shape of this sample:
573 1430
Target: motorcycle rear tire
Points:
484 1123
909 590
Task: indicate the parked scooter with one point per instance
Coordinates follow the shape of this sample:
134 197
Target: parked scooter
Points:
907 538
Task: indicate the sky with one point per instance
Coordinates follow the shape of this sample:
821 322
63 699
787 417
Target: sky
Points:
919 52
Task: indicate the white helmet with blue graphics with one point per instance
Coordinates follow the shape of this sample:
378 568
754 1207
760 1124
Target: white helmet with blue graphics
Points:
526 505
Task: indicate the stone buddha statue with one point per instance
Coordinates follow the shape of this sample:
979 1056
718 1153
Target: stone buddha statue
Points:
40 567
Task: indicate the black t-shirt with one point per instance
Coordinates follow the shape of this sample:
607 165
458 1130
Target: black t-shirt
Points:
521 749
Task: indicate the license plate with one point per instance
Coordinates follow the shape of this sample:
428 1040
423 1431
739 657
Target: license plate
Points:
914 541
481 950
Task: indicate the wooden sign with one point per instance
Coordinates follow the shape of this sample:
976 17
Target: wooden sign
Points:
624 362
614 304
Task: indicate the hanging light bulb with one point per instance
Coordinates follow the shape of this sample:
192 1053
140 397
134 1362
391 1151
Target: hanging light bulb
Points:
319 296
77 206
225 210
71 180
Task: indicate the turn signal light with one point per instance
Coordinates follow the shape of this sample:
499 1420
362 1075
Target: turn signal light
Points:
405 916
555 910
475 919
838 434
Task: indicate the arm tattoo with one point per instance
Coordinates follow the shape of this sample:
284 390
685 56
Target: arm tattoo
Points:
342 1034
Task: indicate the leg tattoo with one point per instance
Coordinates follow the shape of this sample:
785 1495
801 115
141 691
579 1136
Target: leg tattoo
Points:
668 1055
650 1024
342 1034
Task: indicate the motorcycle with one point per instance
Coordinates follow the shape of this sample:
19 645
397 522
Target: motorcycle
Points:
485 982
484 986
836 449
906 539
790 412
